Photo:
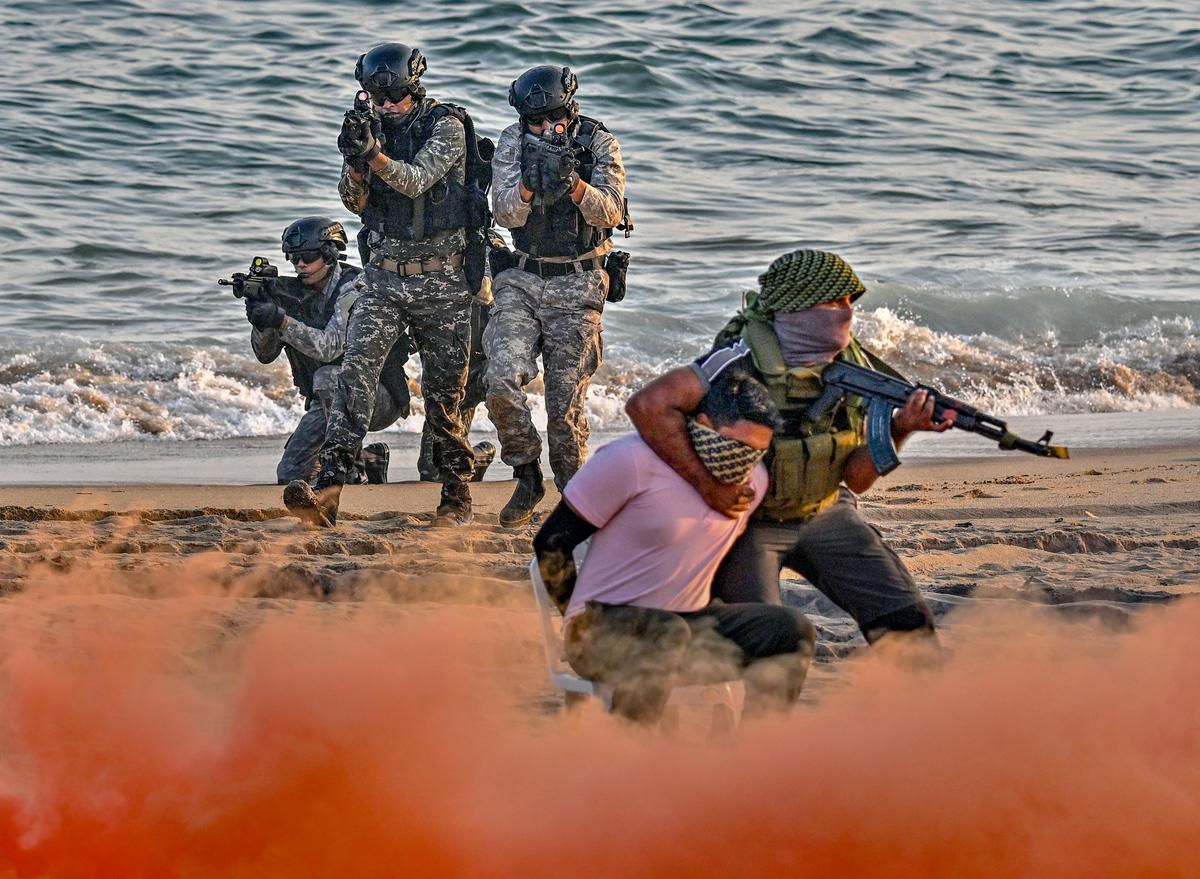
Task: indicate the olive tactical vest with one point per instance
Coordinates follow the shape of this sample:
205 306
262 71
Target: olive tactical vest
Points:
806 458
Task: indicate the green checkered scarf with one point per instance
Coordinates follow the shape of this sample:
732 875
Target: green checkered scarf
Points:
727 459
804 278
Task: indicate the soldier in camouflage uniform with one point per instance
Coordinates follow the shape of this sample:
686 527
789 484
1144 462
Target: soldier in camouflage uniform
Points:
307 322
561 205
404 174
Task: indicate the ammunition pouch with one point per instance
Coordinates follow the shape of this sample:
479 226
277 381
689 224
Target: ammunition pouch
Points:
805 474
616 264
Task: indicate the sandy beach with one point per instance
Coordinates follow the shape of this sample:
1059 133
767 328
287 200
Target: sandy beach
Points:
182 662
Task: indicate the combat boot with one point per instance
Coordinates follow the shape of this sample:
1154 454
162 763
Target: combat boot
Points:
375 460
454 507
317 508
529 492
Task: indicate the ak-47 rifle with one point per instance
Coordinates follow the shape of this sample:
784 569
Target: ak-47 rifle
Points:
886 394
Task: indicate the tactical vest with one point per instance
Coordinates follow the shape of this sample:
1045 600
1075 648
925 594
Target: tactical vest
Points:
560 229
444 206
806 458
316 311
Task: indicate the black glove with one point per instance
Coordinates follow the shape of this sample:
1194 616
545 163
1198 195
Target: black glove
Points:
559 173
531 171
264 314
355 140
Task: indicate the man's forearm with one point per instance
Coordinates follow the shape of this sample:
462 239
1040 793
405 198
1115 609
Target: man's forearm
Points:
658 414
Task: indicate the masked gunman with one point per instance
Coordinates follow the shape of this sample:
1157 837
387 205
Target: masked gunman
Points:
808 518
638 614
405 174
559 185
306 319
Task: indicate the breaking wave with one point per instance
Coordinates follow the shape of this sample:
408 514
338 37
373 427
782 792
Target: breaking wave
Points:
73 390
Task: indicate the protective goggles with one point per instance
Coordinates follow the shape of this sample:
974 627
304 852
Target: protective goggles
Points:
386 86
306 256
557 115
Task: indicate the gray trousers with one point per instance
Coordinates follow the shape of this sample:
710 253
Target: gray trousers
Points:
837 551
301 454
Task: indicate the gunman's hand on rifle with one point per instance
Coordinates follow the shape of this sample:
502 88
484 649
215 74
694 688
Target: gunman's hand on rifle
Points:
358 141
917 414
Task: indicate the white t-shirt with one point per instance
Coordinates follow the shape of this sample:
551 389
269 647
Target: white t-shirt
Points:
659 543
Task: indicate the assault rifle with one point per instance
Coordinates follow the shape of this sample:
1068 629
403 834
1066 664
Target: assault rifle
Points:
552 144
260 282
886 394
364 111
257 283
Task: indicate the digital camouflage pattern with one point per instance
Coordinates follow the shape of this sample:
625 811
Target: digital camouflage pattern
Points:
442 156
559 320
302 453
476 391
436 310
603 199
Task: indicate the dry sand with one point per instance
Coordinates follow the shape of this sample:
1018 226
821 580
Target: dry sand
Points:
1105 531
193 684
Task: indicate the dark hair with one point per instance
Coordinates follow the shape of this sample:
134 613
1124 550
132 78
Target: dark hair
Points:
735 395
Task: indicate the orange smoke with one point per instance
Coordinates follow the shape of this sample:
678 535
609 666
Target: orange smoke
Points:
225 737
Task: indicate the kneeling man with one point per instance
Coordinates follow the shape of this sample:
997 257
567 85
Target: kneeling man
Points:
639 615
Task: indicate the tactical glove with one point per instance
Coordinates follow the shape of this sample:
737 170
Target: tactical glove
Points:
359 140
531 173
559 174
265 314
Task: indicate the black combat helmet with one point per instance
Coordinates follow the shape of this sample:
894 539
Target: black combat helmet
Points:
391 70
315 233
541 91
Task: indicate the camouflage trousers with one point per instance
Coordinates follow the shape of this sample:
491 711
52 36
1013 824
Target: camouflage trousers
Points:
300 455
476 390
435 308
557 319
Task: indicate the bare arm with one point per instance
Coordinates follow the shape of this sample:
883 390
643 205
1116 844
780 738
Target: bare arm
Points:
859 474
659 412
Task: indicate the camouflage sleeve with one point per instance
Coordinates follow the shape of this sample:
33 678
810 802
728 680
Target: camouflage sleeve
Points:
266 344
445 147
507 207
351 191
325 345
603 202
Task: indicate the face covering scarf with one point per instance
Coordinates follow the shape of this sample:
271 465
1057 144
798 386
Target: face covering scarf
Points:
814 335
728 460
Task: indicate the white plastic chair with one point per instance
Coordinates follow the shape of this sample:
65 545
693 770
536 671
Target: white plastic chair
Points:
716 707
